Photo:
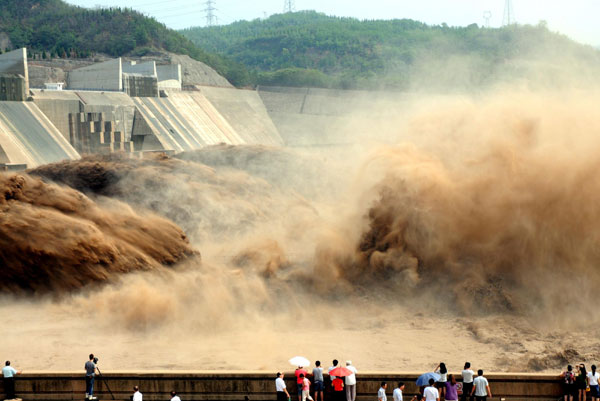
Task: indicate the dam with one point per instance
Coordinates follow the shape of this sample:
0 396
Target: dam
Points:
119 105
257 386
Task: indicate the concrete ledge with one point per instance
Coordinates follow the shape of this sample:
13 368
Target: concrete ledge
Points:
258 386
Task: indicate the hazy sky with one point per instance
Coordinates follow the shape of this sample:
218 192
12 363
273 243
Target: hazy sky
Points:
577 19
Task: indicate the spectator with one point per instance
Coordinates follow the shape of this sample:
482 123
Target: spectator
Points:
305 388
335 365
398 392
318 380
174 396
581 382
467 376
280 387
451 393
381 393
417 397
338 389
569 389
137 396
9 373
593 377
481 387
431 393
299 380
90 372
351 382
441 383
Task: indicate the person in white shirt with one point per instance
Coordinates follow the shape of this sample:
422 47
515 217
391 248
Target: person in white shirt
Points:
398 392
351 382
481 387
431 393
137 396
174 396
9 373
441 383
467 376
280 387
381 393
335 365
592 378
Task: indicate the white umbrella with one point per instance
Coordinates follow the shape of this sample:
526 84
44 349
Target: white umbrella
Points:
300 361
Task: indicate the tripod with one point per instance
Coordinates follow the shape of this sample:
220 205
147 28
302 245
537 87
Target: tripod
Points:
105 382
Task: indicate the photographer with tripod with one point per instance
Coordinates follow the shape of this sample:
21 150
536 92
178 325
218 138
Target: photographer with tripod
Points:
90 372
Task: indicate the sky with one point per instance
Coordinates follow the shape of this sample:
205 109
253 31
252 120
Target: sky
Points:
577 19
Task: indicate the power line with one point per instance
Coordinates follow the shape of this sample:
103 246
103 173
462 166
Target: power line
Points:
289 6
211 18
509 13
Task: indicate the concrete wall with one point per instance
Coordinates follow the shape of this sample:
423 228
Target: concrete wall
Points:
101 76
245 112
257 386
57 105
184 121
13 87
146 68
321 117
14 76
28 137
14 62
136 85
169 76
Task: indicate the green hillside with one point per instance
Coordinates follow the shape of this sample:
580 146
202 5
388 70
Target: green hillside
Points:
53 27
309 48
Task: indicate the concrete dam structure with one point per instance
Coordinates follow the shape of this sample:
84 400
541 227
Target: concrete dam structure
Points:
120 106
257 386
325 117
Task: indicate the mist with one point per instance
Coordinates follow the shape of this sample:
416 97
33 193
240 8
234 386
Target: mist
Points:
470 215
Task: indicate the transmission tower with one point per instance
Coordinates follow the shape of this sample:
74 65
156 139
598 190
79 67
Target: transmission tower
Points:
289 6
509 13
487 15
211 18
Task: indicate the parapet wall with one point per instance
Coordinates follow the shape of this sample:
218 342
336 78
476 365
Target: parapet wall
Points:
207 386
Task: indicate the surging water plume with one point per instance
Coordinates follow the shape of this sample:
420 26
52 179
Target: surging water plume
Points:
481 221
491 205
56 239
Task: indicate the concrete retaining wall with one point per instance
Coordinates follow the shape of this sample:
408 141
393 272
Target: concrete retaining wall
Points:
14 62
245 112
316 117
169 76
146 68
205 386
100 76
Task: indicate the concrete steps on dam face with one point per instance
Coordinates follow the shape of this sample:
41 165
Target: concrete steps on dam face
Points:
233 386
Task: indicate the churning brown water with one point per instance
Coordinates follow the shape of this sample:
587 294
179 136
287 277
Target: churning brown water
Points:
471 233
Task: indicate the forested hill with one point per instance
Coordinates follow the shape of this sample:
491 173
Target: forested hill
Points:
310 48
57 29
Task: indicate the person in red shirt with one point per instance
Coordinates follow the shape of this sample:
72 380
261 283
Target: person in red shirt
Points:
300 380
338 389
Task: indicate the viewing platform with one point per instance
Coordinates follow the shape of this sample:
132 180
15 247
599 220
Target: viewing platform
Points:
257 386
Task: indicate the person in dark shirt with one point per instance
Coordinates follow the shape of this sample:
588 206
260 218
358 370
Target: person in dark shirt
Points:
90 372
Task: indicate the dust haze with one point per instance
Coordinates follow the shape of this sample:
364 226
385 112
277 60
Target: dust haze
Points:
448 227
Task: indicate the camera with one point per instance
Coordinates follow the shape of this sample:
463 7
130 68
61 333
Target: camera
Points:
95 360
